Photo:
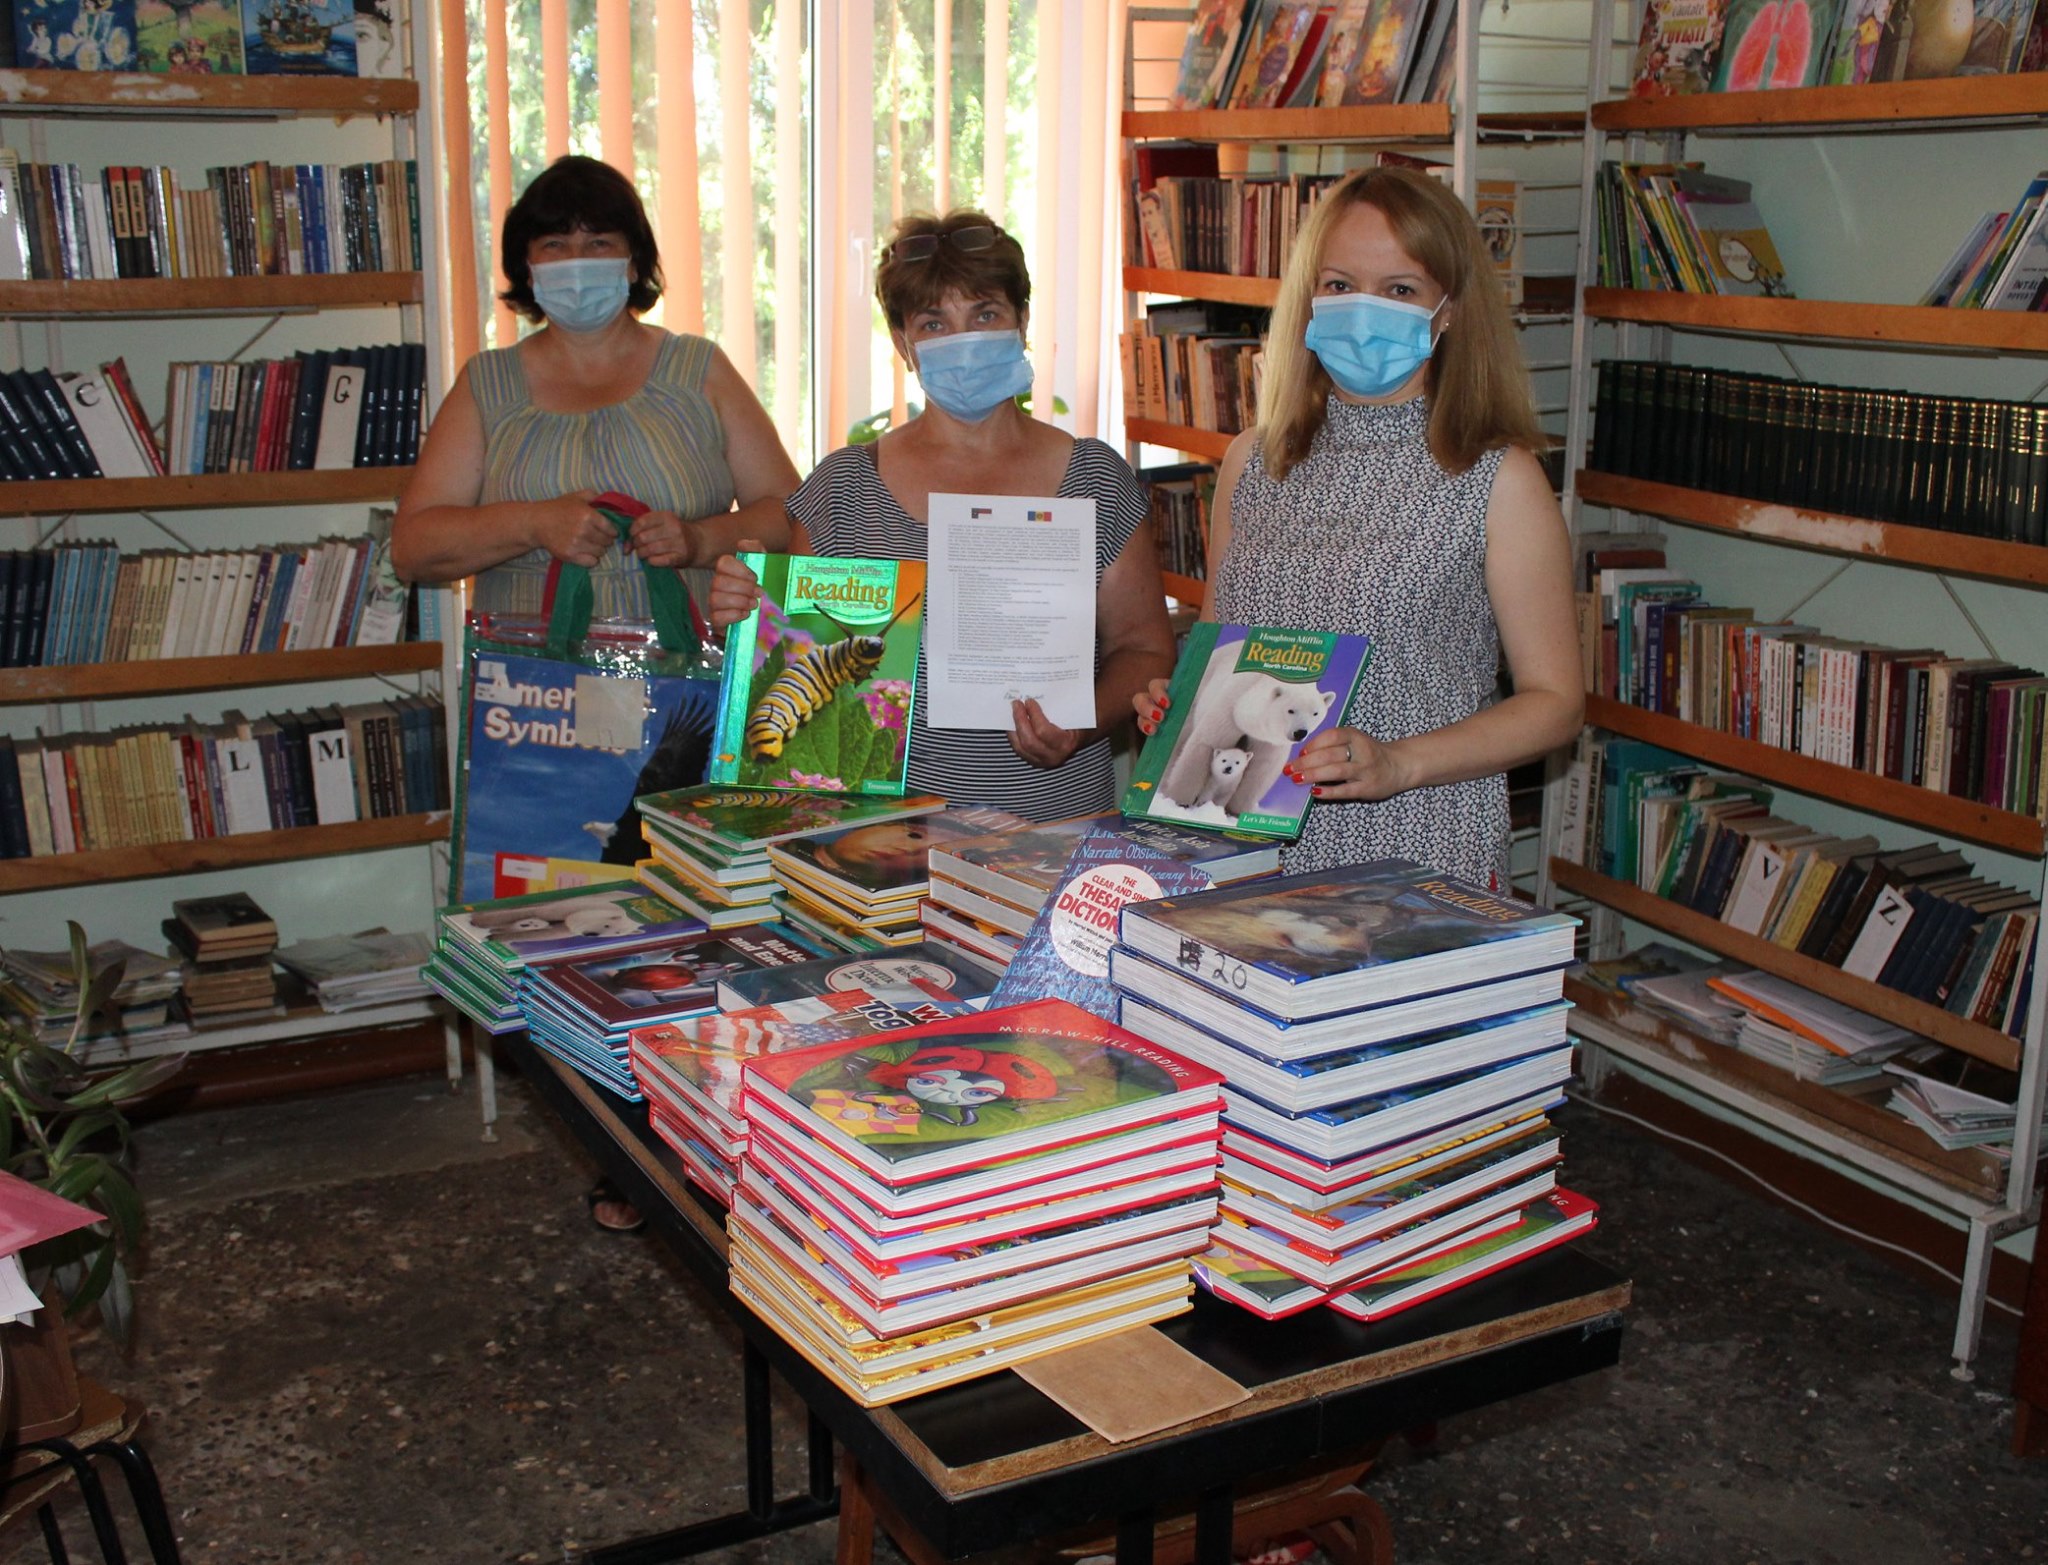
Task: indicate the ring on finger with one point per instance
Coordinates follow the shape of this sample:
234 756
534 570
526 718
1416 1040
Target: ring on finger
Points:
1347 753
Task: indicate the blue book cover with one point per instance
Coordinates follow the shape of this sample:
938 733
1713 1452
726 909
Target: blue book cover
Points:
1066 954
299 37
931 968
75 35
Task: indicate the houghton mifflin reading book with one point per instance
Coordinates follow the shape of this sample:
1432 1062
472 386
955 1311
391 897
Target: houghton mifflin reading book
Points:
1243 701
731 823
819 678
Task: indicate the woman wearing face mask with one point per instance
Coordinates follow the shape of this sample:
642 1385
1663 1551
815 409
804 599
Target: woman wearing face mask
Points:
957 298
1390 490
595 401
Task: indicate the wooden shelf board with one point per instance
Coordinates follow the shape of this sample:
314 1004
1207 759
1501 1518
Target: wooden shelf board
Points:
1413 122
1185 589
170 676
1957 553
1203 285
1937 812
49 497
152 296
259 847
1208 443
1984 1043
1536 122
1874 106
2011 331
201 97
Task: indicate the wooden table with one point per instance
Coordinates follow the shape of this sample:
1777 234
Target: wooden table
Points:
992 1462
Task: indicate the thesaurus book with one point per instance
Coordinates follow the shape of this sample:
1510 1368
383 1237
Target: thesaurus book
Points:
1243 701
819 679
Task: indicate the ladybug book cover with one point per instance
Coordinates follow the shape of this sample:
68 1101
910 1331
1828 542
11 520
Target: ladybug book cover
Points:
819 679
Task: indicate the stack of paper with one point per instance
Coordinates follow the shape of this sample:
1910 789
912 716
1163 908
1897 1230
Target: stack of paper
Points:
1811 1036
354 972
1957 1100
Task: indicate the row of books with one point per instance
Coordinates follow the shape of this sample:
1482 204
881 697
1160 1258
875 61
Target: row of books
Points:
1178 498
212 37
1271 54
1196 365
1243 226
87 603
137 786
1760 45
2002 264
68 424
330 409
59 222
1915 920
1958 464
1674 226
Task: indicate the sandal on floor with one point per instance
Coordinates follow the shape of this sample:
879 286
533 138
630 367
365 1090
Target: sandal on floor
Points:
606 1206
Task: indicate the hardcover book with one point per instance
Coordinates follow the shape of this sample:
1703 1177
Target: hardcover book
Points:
203 39
1210 58
926 968
299 38
1268 1292
885 861
75 35
1269 57
510 932
819 679
1242 702
1677 49
638 988
1559 1216
1771 44
735 822
1022 866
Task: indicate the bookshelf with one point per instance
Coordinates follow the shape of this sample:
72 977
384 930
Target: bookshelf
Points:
1988 1203
190 122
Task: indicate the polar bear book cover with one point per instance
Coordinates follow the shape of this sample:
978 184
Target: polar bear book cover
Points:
1243 701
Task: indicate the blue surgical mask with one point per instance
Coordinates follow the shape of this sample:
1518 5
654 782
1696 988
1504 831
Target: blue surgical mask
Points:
1370 345
583 294
972 373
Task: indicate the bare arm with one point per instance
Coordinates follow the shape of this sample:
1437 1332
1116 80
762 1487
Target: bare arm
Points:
762 478
734 589
443 535
1150 700
1529 580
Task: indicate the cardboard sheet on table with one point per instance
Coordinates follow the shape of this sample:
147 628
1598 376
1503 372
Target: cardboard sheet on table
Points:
1133 1384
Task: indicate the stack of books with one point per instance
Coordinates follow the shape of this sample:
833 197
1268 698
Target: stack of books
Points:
355 972
857 888
40 989
583 1008
986 892
1957 1100
1807 1034
1390 1039
227 943
708 845
919 1210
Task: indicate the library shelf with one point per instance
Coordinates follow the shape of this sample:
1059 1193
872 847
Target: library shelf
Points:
2005 331
120 93
1972 1038
1881 106
1221 287
1944 813
156 296
1208 443
1376 122
1953 553
185 491
301 1020
177 676
256 847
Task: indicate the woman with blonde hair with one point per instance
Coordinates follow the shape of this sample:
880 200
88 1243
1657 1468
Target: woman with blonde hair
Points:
1391 490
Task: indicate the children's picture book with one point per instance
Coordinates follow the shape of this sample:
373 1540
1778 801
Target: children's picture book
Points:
819 678
383 38
1734 242
638 988
1242 702
734 822
1022 866
885 861
1210 58
1268 1292
1678 48
1340 54
510 932
1270 55
187 39
927 968
1067 951
1852 52
75 35
1379 62
1771 44
1362 934
299 37
1559 1216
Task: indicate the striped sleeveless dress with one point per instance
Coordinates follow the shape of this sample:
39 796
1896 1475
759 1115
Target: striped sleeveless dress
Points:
1367 534
850 513
664 445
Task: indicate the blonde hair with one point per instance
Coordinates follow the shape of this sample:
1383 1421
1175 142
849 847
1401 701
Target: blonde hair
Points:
1478 390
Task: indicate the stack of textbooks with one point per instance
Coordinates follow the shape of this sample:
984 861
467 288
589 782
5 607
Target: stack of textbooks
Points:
920 1209
986 892
227 943
858 888
39 988
1390 1040
482 948
584 1008
708 846
355 972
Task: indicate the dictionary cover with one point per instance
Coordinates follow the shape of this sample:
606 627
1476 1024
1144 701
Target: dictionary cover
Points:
819 678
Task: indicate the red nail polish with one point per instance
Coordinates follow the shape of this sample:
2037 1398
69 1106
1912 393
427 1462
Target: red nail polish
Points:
1315 793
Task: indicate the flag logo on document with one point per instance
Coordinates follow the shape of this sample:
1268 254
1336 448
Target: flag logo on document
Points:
1038 516
976 512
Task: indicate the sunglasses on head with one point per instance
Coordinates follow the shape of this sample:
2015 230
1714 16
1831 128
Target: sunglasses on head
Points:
922 247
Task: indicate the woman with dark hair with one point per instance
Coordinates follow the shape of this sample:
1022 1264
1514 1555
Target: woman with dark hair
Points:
594 401
957 298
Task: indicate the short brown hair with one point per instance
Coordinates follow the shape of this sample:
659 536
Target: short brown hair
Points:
575 193
904 286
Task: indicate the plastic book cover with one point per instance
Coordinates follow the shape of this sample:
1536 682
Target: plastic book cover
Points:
1067 951
977 1089
819 678
299 37
1561 1215
189 40
75 35
883 860
1242 702
1679 44
525 762
926 967
736 820
579 921
639 987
